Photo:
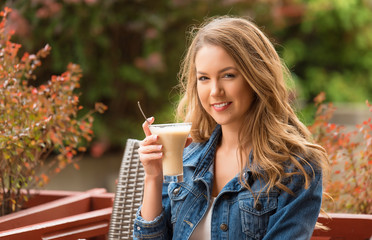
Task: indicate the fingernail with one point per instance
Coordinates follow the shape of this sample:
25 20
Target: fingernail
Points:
150 119
160 147
155 137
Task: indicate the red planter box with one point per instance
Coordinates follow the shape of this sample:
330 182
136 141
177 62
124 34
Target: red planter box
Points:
60 215
86 215
344 226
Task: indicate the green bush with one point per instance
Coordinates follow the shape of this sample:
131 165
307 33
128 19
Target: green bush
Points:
131 50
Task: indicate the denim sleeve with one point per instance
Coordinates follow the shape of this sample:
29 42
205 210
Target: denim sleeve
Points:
297 214
157 229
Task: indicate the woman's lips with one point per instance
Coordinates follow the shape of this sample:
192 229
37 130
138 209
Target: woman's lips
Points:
221 106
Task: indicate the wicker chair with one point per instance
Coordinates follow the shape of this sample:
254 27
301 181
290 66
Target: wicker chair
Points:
128 195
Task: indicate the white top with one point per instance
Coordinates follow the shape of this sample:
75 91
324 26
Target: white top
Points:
203 229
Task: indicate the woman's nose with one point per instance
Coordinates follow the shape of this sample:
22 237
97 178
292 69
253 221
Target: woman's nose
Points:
216 89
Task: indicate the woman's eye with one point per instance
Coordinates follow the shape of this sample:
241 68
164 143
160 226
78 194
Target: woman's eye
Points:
229 75
202 78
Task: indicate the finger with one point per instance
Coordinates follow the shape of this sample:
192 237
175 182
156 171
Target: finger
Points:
148 158
149 140
150 149
188 141
145 125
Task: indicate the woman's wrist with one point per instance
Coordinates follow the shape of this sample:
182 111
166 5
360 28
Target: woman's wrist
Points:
153 179
152 197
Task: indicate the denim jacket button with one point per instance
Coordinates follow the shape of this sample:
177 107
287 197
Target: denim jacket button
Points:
176 191
224 227
258 206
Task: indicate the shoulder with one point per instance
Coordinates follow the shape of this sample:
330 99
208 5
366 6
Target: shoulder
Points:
195 150
302 163
192 152
302 173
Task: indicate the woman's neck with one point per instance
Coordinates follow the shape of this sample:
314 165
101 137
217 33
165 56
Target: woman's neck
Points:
230 138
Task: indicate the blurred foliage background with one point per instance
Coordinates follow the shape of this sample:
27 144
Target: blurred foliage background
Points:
130 50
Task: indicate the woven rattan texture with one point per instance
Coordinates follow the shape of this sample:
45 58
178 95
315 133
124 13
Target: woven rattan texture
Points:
128 195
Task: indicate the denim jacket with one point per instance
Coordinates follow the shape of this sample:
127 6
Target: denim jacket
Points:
235 213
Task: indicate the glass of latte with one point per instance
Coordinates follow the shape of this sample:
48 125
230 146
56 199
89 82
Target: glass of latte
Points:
173 137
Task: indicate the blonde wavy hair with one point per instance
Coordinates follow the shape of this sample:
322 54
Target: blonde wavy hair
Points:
276 134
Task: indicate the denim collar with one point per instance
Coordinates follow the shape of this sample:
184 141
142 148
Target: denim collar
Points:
195 154
190 156
200 157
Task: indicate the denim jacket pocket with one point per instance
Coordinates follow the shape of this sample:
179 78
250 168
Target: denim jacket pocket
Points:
255 215
177 194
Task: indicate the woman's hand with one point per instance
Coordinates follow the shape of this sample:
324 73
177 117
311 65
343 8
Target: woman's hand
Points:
150 152
151 156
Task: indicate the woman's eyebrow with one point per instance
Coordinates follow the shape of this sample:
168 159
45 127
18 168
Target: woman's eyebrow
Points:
220 71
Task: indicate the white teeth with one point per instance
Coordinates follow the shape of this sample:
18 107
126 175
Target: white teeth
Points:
220 105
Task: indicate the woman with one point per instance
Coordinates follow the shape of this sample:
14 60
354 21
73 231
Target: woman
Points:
252 171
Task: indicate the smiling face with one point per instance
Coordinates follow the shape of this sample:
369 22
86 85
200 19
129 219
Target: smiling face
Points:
222 90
